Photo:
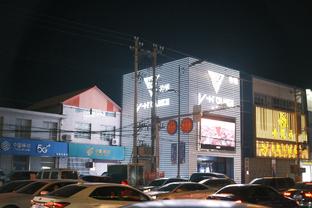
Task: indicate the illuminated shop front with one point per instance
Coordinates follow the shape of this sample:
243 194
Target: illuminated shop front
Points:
214 142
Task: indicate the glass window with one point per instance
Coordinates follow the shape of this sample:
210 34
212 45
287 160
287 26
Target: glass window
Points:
23 128
118 194
54 175
46 175
192 187
32 188
108 132
83 130
69 175
169 187
51 128
54 186
67 191
110 114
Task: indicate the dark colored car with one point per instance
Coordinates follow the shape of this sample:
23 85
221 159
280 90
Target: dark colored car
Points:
14 185
23 175
255 194
281 184
217 183
155 184
196 177
302 193
96 179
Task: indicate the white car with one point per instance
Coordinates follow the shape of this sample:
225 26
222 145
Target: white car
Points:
22 197
90 195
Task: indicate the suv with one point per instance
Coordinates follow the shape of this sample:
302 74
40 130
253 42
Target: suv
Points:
281 184
58 174
196 177
22 175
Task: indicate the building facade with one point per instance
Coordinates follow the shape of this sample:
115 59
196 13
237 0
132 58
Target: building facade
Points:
214 144
274 129
30 140
81 131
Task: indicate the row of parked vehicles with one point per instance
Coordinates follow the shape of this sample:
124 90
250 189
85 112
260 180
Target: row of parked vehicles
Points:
66 190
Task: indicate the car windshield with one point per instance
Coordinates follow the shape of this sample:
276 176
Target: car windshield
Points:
14 185
158 182
169 187
32 188
67 191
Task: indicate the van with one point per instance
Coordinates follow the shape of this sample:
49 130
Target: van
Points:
58 174
281 184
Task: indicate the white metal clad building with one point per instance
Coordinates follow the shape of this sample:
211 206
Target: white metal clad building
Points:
214 143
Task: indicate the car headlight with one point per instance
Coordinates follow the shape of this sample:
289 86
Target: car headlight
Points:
153 197
146 190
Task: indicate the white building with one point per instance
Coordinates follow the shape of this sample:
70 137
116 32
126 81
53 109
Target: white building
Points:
29 140
214 144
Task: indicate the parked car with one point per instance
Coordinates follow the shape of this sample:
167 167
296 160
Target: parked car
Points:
302 193
96 179
217 183
155 184
22 175
281 184
22 197
192 203
91 195
196 177
255 194
182 190
58 174
14 185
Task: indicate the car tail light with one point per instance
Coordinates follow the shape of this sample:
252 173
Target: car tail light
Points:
287 194
308 195
56 204
125 182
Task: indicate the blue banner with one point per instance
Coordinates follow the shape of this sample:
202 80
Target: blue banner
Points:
93 151
33 147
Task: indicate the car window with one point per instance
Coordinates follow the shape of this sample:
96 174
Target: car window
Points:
39 175
32 188
218 183
54 175
69 175
57 185
241 192
171 180
264 194
169 187
157 182
46 175
118 194
67 191
192 187
14 185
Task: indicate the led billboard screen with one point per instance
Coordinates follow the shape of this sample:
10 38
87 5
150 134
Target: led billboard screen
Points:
217 134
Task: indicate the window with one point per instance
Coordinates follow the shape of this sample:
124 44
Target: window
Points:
118 194
83 130
51 128
23 128
110 114
108 133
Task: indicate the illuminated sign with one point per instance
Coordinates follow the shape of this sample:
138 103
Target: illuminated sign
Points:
217 134
216 81
280 150
161 88
278 125
309 99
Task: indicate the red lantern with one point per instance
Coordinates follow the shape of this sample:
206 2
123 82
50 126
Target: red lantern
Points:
187 125
172 127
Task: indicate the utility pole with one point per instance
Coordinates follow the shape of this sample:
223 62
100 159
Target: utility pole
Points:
297 131
136 48
154 129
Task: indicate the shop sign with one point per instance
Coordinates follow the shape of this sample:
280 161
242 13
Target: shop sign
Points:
215 99
101 152
160 88
33 147
280 150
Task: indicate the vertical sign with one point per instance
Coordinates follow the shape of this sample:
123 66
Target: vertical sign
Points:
174 153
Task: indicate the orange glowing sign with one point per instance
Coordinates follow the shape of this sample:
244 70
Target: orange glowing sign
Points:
187 125
172 127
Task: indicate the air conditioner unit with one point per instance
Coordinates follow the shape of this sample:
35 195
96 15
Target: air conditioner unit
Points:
114 141
66 137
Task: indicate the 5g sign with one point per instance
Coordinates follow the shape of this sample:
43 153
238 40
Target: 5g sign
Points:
43 149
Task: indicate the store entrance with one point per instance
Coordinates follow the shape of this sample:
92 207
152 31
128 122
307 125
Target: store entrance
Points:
206 164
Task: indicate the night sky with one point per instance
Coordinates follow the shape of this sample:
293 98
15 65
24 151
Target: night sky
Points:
48 48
